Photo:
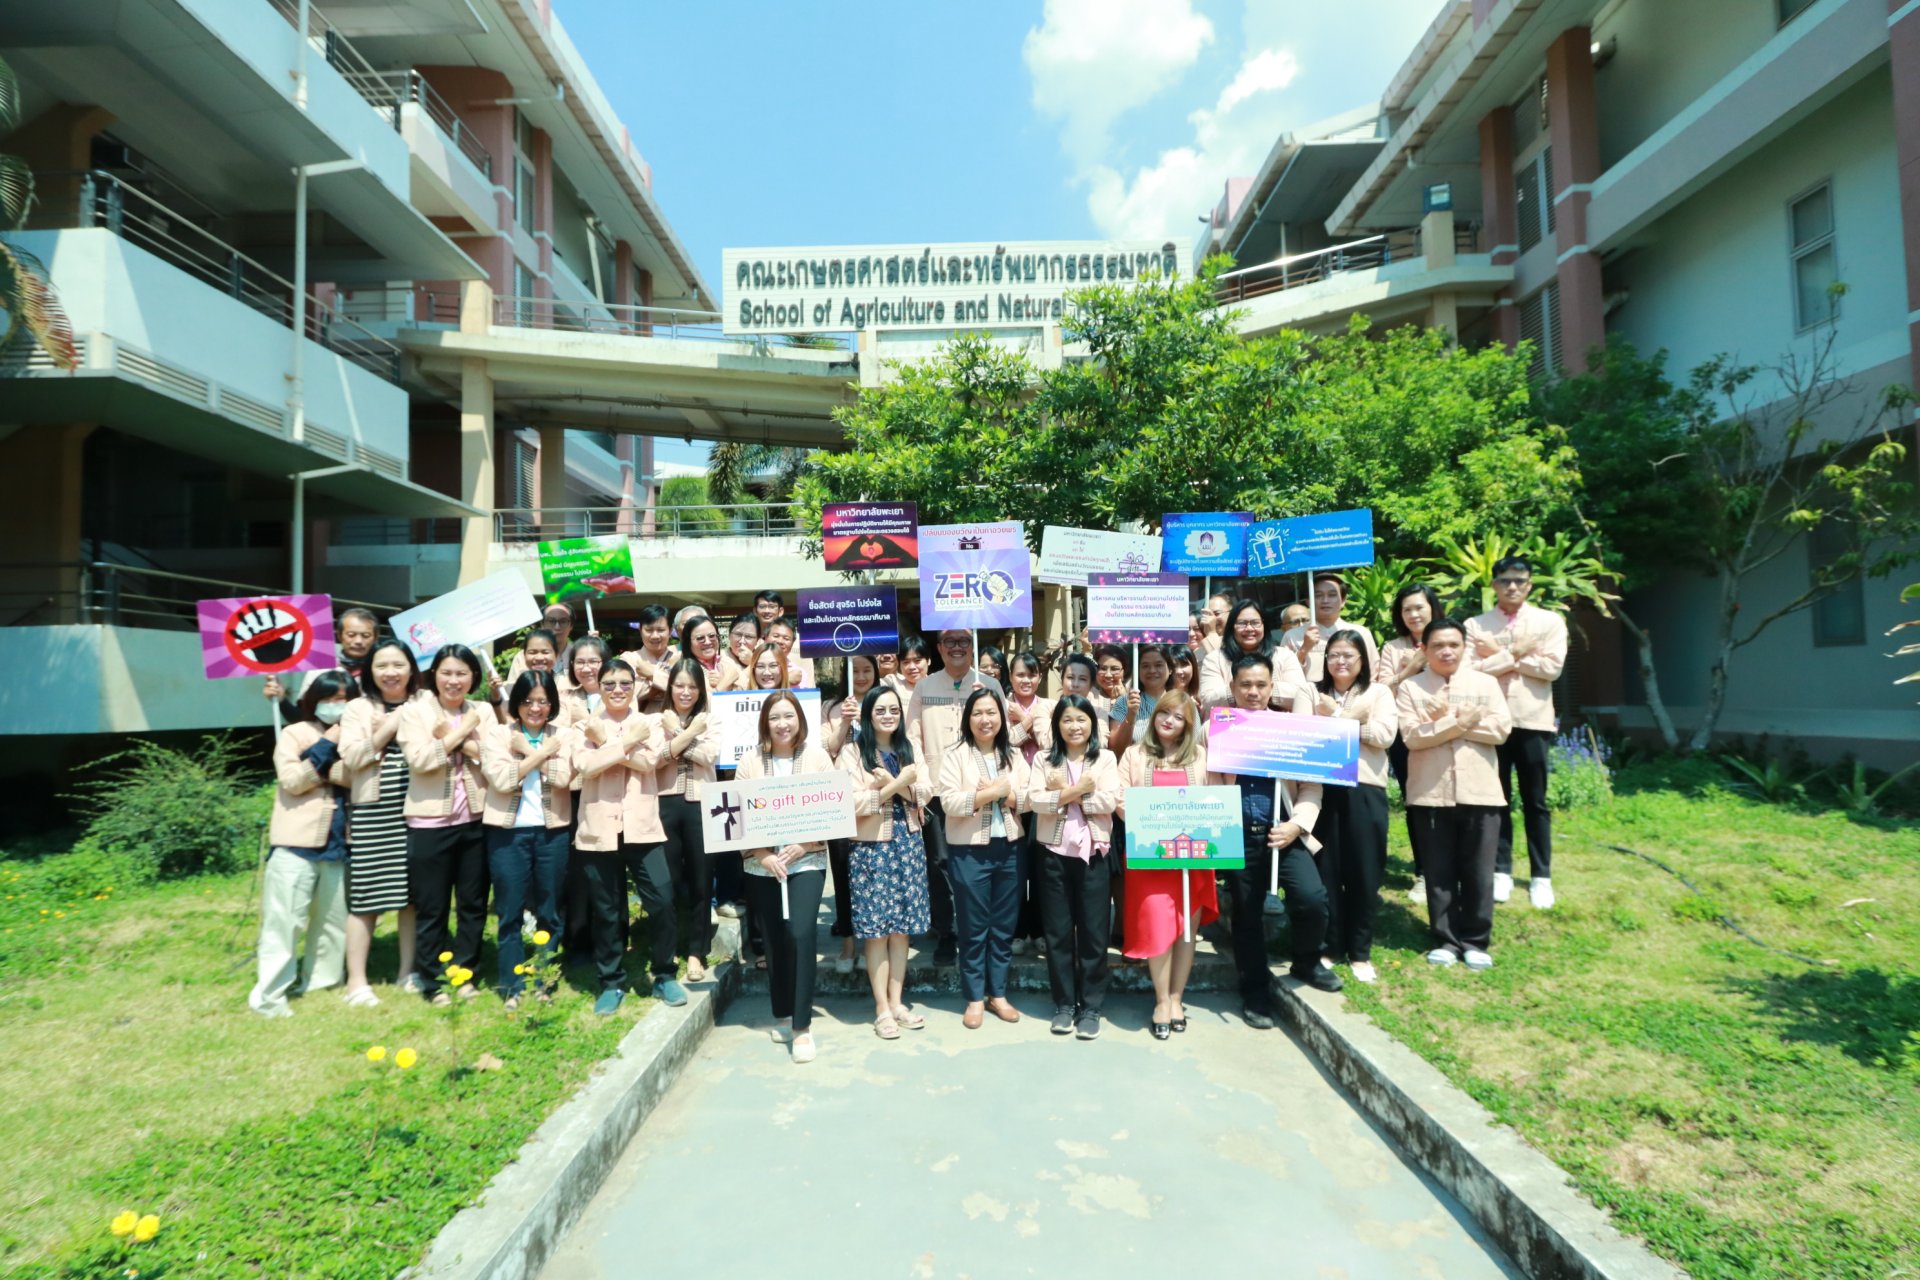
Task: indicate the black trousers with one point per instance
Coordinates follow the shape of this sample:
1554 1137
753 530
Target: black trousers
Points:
1030 925
1352 861
607 876
692 872
986 900
939 875
1525 750
793 951
1397 765
1460 850
443 861
576 900
1117 888
1075 910
1306 901
840 856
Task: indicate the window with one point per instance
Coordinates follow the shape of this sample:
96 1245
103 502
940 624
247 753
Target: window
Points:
1839 618
1791 9
1540 325
1533 199
523 295
522 132
523 210
1815 264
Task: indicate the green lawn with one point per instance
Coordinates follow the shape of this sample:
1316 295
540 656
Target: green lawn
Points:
132 1076
1751 1115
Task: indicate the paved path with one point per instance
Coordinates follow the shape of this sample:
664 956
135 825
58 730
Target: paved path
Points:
1007 1151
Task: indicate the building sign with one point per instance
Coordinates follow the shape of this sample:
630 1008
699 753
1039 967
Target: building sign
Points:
924 286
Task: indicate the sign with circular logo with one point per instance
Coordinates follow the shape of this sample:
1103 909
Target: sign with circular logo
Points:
262 635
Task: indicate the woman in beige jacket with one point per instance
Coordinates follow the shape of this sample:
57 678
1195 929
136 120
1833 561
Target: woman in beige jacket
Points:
1453 718
303 885
1073 792
982 788
692 737
528 763
886 876
1353 820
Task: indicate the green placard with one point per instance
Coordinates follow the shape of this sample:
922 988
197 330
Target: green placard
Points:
1181 828
593 567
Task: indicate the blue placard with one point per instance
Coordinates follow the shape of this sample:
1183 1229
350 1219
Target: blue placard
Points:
1280 744
1335 540
1205 544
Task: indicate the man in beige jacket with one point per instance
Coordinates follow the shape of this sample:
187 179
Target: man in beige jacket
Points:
1524 647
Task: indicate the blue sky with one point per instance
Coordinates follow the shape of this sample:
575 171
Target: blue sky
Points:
790 123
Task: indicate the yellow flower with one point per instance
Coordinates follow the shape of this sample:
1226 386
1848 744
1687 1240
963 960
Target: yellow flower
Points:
405 1059
445 956
377 1054
519 968
541 937
147 1228
123 1223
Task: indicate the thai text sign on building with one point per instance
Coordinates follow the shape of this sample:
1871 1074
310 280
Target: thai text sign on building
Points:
924 286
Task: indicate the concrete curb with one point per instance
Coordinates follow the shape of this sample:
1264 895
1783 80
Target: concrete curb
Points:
1520 1197
529 1206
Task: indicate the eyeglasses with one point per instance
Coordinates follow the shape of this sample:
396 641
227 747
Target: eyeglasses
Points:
1109 669
1511 582
609 686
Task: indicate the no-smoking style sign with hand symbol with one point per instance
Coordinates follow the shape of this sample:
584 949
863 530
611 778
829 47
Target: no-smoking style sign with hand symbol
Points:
266 635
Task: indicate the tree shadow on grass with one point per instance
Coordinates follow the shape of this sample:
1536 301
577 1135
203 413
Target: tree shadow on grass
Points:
1871 1016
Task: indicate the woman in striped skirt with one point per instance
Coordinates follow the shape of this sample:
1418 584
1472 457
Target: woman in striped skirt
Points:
376 831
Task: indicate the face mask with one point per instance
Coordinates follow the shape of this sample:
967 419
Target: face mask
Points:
329 712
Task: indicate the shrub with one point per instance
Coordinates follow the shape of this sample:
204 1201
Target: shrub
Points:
158 813
1579 771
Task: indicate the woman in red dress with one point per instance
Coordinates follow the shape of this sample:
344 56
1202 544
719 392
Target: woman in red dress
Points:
1170 755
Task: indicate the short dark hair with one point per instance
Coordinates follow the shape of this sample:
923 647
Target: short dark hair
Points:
1442 624
321 686
1509 564
1230 646
767 597
1434 608
1028 657
1115 652
1080 659
1002 747
523 688
653 613
914 643
541 633
1248 661
620 664
744 620
368 689
588 644
456 653
991 651
358 612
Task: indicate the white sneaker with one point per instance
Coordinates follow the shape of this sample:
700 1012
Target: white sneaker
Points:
1418 893
1541 891
1019 946
803 1047
411 984
1502 886
1364 972
843 964
1441 956
728 911
1274 906
1478 959
362 998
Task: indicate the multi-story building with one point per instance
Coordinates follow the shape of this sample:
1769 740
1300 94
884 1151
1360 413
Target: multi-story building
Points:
361 290
1690 176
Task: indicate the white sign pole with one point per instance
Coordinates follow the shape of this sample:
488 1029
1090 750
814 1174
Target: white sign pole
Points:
1186 907
1286 809
785 910
590 630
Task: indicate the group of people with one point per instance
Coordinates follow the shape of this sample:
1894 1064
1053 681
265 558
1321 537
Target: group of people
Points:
990 813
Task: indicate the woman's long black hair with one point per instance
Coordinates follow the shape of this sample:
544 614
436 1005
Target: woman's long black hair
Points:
867 738
1231 647
1074 702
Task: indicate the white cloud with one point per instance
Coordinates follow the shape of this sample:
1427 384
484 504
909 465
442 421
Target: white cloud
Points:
1268 69
1092 61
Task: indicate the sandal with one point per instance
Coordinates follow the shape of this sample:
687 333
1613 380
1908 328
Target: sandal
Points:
696 969
469 991
886 1028
909 1019
361 998
761 964
441 1000
513 1002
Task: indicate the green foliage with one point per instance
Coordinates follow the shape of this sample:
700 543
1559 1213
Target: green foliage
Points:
1565 571
1912 647
695 511
31 314
1769 781
1371 589
1860 795
163 813
1579 771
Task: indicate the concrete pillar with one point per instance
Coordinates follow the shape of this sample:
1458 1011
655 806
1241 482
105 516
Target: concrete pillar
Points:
41 528
623 273
58 144
474 94
552 480
543 210
1500 216
476 436
1903 42
1573 122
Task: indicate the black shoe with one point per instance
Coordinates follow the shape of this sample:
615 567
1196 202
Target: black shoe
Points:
1178 1024
1317 976
1161 1030
1062 1024
1258 1019
1088 1026
948 951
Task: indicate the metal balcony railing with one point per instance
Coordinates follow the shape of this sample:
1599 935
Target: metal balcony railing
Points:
167 233
400 304
43 593
402 87
623 319
740 520
340 54
1295 270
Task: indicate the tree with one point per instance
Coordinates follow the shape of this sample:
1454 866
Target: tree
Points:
1730 473
731 463
33 314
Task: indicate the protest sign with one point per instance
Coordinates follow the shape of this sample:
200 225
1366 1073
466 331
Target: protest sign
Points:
974 576
1068 557
590 567
769 813
870 535
1205 544
1307 544
738 715
266 635
1137 608
1279 744
838 621
1184 828
471 615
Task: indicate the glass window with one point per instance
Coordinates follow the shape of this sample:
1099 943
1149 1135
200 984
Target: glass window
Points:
1791 9
1839 618
1816 266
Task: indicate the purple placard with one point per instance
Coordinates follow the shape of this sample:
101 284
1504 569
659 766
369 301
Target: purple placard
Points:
870 535
974 576
836 622
266 635
1280 744
1137 608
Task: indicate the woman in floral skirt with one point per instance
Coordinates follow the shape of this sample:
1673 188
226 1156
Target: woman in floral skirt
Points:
889 859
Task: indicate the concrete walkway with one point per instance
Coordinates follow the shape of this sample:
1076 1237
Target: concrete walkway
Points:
1223 1152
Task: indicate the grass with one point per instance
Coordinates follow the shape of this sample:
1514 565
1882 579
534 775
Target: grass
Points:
1751 1115
133 1077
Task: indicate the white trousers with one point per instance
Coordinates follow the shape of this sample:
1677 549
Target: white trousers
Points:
297 893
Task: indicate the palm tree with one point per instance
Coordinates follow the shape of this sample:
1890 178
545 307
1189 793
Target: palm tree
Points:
730 463
33 314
